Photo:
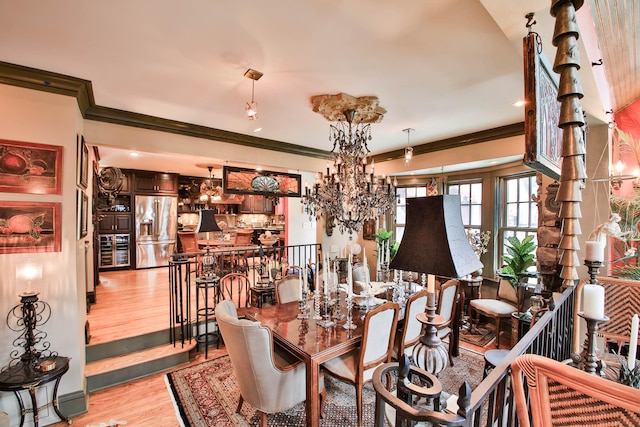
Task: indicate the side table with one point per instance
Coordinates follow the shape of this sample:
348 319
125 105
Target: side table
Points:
205 311
25 377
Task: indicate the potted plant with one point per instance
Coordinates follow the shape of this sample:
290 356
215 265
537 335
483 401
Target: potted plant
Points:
517 265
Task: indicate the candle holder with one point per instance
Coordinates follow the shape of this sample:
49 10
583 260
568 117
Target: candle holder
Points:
594 270
316 306
304 307
588 360
337 311
326 322
349 323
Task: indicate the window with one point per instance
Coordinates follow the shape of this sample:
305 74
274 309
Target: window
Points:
519 211
470 203
404 193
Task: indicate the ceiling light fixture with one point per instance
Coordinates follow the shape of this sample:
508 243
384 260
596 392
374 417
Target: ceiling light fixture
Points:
252 107
208 191
349 193
408 152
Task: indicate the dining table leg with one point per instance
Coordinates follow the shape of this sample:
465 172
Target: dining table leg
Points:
313 398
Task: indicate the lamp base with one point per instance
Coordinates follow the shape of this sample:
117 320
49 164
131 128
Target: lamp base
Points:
432 359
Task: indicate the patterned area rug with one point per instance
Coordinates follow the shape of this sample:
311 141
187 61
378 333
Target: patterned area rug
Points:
207 395
481 336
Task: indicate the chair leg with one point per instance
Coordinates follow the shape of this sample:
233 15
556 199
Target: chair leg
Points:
263 419
450 349
240 402
359 403
323 400
498 322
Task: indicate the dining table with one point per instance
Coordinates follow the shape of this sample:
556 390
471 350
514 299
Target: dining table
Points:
308 342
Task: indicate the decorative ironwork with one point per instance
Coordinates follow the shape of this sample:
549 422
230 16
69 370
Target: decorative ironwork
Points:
26 318
350 192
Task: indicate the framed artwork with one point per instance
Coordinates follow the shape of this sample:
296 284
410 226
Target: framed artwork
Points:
30 227
27 167
82 162
268 183
369 229
82 202
543 137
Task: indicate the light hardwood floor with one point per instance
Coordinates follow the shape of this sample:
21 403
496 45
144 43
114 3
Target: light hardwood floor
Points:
130 303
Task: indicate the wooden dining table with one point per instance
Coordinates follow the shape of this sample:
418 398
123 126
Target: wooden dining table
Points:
309 343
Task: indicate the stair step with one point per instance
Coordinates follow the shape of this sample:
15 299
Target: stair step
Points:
122 368
126 345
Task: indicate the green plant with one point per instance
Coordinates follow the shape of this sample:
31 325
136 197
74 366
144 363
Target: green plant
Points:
382 236
521 256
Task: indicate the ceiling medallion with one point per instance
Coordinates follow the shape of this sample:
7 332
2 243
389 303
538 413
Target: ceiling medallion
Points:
332 107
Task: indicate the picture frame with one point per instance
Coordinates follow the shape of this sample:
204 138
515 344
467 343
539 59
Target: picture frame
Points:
369 229
82 203
82 162
27 227
237 180
28 167
543 137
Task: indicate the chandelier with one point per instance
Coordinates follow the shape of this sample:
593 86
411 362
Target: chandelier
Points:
349 193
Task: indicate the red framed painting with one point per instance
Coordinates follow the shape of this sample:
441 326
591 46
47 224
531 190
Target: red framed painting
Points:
268 183
27 167
30 227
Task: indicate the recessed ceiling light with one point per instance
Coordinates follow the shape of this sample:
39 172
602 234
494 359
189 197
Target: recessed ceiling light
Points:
134 154
493 162
257 129
259 168
518 103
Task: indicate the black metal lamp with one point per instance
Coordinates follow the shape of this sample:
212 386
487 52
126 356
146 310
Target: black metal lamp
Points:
206 224
434 243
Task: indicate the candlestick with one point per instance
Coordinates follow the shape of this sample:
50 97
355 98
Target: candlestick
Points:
588 361
593 301
633 342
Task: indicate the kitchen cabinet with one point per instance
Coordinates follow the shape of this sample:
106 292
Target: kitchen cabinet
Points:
257 204
155 183
115 222
115 250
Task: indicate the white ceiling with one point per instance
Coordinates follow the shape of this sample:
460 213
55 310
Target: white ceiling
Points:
443 68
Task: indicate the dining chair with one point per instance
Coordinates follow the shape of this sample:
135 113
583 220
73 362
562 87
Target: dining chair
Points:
447 307
266 380
360 272
235 287
357 366
288 289
557 394
411 331
498 309
243 238
189 245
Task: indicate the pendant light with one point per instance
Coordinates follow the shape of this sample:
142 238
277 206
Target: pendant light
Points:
252 107
408 152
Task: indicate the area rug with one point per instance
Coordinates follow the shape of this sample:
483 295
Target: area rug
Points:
480 336
207 394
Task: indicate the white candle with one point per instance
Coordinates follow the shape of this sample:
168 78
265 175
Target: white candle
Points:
431 283
349 276
378 258
595 251
633 342
593 301
367 279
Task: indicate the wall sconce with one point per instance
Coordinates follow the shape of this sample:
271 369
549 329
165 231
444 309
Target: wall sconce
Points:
408 152
252 107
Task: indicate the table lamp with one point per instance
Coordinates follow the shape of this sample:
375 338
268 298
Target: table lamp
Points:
435 244
206 224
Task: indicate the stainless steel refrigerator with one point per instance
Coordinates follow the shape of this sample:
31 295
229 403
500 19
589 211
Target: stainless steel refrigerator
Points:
156 229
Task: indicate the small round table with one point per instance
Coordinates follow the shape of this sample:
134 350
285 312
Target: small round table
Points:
25 377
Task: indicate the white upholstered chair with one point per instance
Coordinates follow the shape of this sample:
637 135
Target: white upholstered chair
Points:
447 306
332 277
258 369
288 289
500 308
409 335
357 366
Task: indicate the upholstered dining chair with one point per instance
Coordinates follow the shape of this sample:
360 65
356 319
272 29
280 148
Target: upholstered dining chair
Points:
288 289
447 307
189 245
360 272
563 395
409 335
258 368
235 287
357 366
499 309
243 237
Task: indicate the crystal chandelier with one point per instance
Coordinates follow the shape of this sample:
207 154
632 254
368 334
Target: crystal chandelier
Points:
350 192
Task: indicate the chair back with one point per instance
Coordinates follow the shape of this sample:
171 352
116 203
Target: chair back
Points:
288 289
507 292
236 288
377 338
551 385
243 238
622 301
361 272
188 241
447 300
412 330
250 348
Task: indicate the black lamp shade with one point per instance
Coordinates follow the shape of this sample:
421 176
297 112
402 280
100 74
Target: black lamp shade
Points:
434 240
207 221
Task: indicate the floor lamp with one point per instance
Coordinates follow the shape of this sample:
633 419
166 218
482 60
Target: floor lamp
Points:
434 244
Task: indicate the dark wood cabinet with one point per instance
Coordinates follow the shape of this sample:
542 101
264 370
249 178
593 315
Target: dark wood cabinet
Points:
115 222
257 205
155 183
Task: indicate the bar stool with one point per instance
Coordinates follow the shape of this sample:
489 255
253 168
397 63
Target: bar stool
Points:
206 312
